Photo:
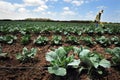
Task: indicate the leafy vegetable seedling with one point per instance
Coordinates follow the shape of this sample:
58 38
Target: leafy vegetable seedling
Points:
59 61
25 39
8 39
72 40
103 41
88 41
57 40
26 54
91 61
41 40
115 40
115 55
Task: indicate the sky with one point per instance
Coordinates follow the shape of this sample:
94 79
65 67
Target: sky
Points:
60 9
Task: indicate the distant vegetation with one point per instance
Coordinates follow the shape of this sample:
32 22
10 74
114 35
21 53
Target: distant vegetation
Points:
47 20
50 20
38 19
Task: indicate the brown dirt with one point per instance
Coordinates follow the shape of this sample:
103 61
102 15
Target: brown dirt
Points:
36 69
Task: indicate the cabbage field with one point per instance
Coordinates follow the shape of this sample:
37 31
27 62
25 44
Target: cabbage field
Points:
32 50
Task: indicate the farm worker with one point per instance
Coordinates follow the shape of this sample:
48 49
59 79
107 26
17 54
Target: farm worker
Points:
98 17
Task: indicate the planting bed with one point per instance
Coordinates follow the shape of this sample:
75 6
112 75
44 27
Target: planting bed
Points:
36 68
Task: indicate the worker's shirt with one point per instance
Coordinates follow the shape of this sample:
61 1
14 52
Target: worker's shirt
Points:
98 16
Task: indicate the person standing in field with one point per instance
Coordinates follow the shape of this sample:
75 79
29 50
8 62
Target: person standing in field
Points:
98 17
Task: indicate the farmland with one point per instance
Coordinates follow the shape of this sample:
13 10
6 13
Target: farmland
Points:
59 51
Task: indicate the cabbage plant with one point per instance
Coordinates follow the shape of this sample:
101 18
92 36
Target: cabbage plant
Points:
25 39
103 41
41 40
26 54
57 40
115 52
72 40
115 40
8 39
88 41
59 61
91 61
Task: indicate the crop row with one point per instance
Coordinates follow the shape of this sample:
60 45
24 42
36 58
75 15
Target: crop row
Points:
59 28
59 40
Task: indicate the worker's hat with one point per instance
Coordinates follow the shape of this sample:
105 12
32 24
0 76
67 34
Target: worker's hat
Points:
101 11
